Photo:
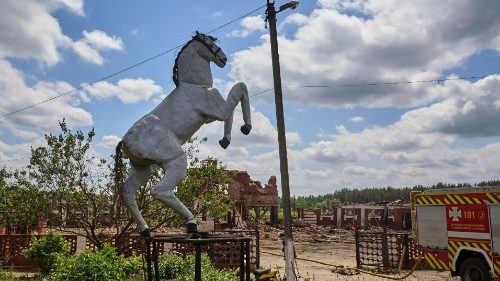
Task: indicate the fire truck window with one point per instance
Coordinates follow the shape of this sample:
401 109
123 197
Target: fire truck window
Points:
495 227
431 226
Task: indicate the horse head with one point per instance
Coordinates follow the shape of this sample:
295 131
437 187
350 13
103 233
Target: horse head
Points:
209 50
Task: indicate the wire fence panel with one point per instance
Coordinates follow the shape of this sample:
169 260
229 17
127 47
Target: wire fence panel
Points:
385 249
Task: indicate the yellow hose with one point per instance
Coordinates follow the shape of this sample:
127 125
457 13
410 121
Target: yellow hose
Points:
419 259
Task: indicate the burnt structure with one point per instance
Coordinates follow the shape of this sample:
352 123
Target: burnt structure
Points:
248 194
360 216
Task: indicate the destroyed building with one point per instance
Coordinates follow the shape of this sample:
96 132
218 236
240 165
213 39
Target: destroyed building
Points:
249 194
360 216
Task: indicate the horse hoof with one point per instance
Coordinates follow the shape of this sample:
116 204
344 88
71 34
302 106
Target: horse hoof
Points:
245 129
224 143
192 228
146 234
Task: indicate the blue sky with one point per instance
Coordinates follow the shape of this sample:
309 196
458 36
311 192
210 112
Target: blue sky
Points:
363 136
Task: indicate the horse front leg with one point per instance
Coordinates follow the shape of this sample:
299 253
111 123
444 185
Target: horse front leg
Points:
238 93
245 109
228 125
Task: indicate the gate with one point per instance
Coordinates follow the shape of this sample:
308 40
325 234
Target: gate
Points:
385 249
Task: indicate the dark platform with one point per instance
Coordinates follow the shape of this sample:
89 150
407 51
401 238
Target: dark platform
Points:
152 251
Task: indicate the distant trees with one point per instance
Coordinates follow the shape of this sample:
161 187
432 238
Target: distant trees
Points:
373 195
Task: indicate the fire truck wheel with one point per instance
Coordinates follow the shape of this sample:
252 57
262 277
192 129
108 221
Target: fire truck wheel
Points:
474 269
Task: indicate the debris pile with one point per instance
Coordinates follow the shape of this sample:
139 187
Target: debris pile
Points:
312 233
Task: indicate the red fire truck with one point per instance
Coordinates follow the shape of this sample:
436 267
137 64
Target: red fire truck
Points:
459 230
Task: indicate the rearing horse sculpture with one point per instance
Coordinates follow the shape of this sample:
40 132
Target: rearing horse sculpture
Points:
157 138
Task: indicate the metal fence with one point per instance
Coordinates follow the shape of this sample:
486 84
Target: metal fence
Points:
385 249
223 255
12 246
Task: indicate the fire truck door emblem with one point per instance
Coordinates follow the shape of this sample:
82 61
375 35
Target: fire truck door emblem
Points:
455 213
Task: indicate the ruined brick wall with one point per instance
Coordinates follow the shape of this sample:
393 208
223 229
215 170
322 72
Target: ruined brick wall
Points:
251 192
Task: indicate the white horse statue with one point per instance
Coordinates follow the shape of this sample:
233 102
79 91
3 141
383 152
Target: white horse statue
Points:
157 138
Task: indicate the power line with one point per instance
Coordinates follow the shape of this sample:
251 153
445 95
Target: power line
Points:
126 68
237 19
14 159
376 83
310 86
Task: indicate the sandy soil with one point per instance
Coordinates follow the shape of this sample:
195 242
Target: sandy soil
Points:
337 253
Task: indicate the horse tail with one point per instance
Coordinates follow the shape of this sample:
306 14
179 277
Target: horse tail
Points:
118 169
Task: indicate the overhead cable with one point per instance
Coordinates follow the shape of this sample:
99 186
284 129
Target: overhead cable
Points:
375 83
126 68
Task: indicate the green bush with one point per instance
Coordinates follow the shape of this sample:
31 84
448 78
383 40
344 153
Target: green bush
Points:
3 274
45 251
89 265
172 266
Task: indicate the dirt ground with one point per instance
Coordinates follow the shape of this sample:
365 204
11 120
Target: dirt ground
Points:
338 253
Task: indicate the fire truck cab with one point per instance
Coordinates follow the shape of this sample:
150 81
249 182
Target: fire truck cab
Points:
459 230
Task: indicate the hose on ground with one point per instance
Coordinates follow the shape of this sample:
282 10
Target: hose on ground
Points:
415 266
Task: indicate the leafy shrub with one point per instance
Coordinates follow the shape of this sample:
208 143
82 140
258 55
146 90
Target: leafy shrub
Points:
89 265
132 266
3 274
45 251
172 266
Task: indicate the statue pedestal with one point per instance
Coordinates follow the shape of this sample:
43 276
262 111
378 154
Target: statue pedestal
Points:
152 254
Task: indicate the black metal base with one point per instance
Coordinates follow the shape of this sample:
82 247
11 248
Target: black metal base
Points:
152 245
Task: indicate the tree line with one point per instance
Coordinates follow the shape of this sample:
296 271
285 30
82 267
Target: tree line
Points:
380 195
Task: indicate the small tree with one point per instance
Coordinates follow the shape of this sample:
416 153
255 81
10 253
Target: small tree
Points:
85 189
205 188
4 175
21 204
72 180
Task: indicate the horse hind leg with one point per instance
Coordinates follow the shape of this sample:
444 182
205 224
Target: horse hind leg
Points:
138 177
175 170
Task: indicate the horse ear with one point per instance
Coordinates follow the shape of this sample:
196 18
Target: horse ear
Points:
197 33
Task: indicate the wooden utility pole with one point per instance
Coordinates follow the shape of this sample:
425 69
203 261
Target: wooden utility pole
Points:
280 120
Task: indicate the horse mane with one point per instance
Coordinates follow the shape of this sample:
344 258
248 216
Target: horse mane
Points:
175 74
175 71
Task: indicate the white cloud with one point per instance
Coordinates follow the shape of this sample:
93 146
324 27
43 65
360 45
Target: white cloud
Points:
75 6
15 94
469 110
249 25
14 155
293 138
109 141
357 119
126 90
387 41
89 47
102 41
87 53
29 31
